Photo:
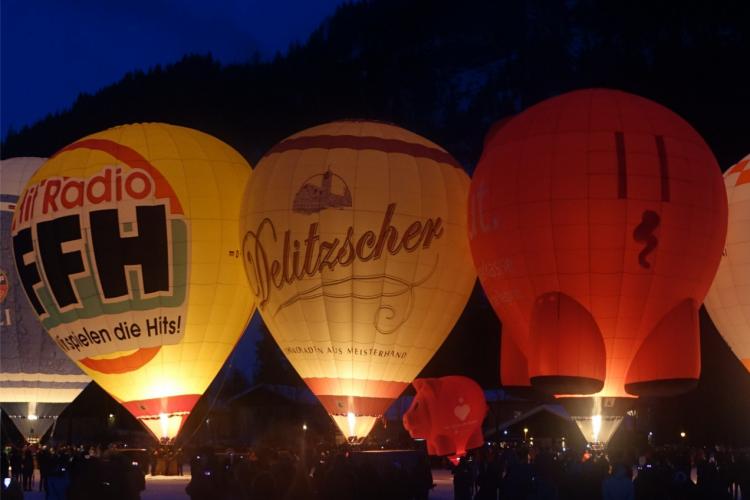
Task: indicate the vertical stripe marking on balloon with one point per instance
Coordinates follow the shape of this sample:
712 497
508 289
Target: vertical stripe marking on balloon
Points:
622 167
663 167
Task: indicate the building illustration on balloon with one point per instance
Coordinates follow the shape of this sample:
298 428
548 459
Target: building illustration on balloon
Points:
598 220
312 198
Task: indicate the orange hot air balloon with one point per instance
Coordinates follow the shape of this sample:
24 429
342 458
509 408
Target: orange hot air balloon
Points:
448 413
126 245
354 248
514 372
597 220
728 300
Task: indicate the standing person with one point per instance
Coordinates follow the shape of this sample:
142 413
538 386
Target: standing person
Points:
152 461
518 480
86 477
43 462
179 458
4 464
123 480
16 462
545 480
462 480
488 478
423 480
27 469
205 483
58 476
618 486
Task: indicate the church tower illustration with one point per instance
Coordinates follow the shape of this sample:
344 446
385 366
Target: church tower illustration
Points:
313 197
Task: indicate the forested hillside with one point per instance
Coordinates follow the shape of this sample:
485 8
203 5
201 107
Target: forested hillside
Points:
444 69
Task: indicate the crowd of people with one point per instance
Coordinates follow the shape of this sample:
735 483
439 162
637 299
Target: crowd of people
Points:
331 475
165 461
20 461
495 472
521 473
514 472
68 472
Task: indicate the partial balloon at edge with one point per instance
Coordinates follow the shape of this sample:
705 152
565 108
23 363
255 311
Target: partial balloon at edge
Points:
37 380
728 300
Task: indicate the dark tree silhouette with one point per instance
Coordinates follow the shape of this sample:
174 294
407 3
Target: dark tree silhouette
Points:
272 366
440 70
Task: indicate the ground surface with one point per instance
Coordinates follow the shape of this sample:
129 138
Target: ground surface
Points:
173 488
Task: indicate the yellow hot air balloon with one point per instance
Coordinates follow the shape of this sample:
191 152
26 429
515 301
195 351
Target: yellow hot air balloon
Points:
126 243
355 246
728 300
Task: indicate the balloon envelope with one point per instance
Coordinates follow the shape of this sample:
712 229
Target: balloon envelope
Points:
728 300
37 380
354 248
597 222
126 243
448 413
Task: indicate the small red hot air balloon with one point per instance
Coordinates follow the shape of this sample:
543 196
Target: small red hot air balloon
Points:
597 221
447 412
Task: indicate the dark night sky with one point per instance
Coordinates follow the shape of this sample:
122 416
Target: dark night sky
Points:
52 50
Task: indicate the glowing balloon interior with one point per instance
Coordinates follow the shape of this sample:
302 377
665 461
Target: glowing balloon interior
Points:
37 380
598 429
728 300
597 223
126 244
353 246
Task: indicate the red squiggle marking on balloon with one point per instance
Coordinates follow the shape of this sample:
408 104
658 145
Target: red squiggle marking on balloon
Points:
643 233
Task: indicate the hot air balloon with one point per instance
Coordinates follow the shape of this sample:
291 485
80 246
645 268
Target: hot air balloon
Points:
448 413
728 300
37 380
353 248
512 361
597 223
126 244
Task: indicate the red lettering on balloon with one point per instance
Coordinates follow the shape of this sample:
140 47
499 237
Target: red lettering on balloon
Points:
266 274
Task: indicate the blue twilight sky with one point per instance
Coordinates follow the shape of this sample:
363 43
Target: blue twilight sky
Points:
52 50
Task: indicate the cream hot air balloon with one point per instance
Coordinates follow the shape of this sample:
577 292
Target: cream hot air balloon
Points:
37 380
728 300
126 242
355 246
